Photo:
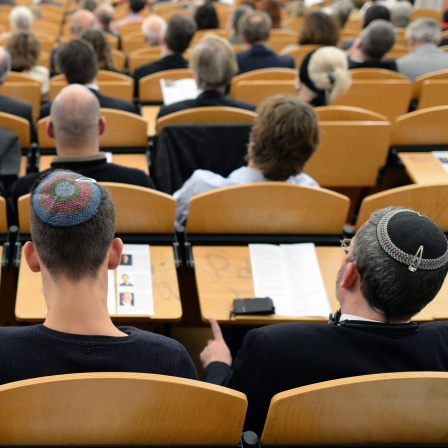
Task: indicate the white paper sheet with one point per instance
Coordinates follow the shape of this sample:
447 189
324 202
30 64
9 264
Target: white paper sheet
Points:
290 275
442 157
174 90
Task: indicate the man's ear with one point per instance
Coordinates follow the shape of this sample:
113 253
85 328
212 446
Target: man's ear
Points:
49 128
102 126
350 277
31 256
115 251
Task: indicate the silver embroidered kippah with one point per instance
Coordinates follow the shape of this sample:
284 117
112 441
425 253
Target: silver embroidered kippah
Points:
413 239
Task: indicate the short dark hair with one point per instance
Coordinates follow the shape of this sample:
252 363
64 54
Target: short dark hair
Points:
376 12
377 39
284 136
206 17
75 252
77 60
386 284
179 33
319 29
137 5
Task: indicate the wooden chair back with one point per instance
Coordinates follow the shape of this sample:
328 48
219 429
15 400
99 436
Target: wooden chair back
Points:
268 208
47 27
389 97
430 200
256 92
294 24
422 127
427 13
128 28
433 93
280 39
264 74
27 91
143 56
213 114
389 408
350 153
18 126
141 210
397 51
347 113
199 35
149 87
3 216
133 41
418 84
111 40
20 77
375 73
119 59
298 52
88 409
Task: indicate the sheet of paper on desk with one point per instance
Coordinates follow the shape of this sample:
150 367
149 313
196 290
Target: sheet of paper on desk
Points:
174 90
130 285
442 157
290 275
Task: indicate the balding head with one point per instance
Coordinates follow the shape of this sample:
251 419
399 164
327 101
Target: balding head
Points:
5 64
75 120
82 20
154 29
104 14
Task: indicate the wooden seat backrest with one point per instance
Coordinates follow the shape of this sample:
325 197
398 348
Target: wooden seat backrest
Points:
268 207
119 59
440 74
388 408
18 125
25 91
3 216
298 52
132 41
430 200
212 114
375 73
434 92
347 113
256 92
142 56
119 408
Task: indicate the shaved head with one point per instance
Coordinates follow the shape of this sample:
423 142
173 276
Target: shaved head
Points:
75 115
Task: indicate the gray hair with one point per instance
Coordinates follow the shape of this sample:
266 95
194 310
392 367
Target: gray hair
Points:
401 13
377 39
424 30
154 29
238 13
21 18
342 10
255 27
5 64
214 62
387 285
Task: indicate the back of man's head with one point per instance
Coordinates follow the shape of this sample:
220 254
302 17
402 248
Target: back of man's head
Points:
77 60
401 13
238 13
424 30
5 64
75 115
255 27
21 18
284 136
179 33
376 12
104 14
214 63
82 20
402 260
377 39
72 224
136 5
154 29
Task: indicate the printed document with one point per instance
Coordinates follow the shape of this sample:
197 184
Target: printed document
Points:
442 157
174 90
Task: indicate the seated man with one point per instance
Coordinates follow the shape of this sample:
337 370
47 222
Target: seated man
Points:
393 268
214 65
423 36
72 228
76 126
173 44
78 61
371 45
253 29
283 138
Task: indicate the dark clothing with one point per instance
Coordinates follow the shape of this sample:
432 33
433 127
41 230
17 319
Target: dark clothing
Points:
205 99
99 170
36 351
20 108
105 101
260 56
281 357
388 64
170 62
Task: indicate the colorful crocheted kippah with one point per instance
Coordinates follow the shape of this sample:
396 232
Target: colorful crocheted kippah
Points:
413 239
66 199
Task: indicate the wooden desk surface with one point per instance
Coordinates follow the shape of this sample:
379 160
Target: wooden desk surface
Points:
30 302
423 168
224 273
129 160
150 114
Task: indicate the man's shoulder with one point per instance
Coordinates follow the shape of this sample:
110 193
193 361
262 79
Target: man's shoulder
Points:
23 185
15 107
176 107
123 174
115 103
231 102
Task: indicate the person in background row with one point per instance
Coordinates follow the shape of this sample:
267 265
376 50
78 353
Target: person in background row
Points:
206 17
102 48
319 28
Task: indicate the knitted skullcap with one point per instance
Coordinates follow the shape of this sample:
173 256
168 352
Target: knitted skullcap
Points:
413 239
66 199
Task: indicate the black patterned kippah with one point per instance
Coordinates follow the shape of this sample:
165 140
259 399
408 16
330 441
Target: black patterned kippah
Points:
66 199
413 239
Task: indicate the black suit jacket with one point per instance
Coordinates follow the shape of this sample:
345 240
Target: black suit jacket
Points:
388 64
20 108
260 56
280 357
205 99
170 62
105 101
